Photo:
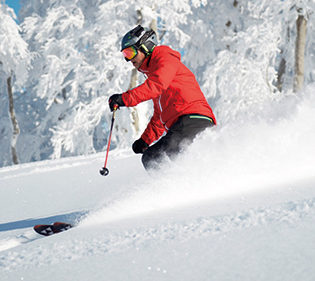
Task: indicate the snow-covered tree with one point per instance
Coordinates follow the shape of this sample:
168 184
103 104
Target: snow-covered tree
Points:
64 77
14 59
244 75
242 53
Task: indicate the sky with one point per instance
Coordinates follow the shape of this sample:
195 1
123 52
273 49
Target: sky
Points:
15 4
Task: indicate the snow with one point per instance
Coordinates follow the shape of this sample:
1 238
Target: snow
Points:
238 205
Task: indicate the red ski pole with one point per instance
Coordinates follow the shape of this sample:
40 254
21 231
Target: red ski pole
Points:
104 171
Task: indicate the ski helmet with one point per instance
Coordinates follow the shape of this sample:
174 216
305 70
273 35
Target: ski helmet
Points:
141 38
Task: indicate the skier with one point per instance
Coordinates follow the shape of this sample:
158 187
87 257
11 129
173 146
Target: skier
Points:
180 108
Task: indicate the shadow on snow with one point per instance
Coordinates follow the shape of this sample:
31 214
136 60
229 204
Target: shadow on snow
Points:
72 218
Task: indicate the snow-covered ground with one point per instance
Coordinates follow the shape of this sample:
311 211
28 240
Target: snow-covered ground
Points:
239 205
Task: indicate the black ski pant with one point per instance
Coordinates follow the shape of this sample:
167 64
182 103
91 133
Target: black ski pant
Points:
182 132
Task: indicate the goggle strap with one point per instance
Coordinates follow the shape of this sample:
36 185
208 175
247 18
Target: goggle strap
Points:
145 48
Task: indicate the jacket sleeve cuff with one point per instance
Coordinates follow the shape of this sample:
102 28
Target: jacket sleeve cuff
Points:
146 139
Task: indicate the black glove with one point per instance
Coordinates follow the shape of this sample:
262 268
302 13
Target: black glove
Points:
139 146
115 101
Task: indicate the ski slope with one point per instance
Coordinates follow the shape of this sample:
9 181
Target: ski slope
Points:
238 205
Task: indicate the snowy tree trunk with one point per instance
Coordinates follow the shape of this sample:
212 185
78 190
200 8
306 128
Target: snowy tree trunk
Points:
153 25
283 63
281 72
16 129
134 112
299 53
133 84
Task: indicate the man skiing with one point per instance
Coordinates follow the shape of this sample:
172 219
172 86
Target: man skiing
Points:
180 108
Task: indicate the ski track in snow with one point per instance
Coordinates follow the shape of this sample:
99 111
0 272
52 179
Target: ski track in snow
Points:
27 237
77 244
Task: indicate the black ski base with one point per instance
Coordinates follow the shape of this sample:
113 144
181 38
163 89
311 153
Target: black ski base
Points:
50 229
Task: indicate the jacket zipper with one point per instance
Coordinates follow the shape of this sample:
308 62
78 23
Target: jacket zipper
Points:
160 108
161 112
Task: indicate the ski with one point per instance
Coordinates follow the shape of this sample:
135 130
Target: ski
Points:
50 229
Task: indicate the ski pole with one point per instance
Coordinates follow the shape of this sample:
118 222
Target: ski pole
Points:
104 171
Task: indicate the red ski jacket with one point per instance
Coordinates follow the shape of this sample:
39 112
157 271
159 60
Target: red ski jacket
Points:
173 89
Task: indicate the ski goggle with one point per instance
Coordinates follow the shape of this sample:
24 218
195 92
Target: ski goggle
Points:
129 53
